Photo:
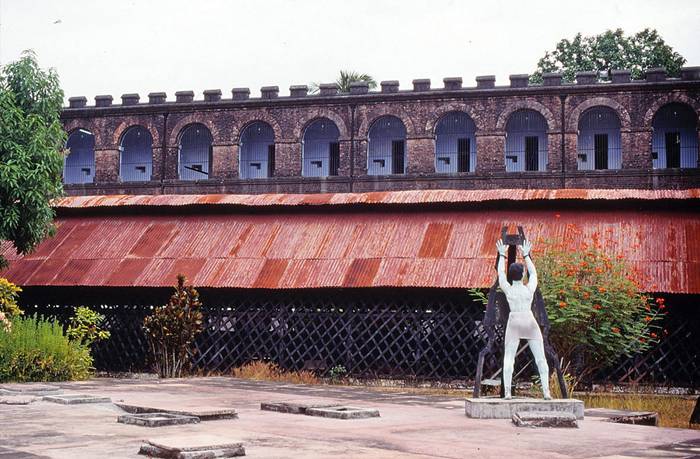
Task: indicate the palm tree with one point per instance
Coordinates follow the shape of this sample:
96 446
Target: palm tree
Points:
346 77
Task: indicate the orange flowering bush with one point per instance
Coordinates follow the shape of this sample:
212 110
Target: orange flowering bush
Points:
595 302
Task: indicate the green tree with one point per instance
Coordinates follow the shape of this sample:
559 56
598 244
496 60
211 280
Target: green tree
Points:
611 50
347 77
31 157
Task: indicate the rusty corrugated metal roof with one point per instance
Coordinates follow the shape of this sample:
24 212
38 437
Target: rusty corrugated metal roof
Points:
356 248
383 197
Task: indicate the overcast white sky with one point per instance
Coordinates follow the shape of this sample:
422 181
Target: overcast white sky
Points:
120 46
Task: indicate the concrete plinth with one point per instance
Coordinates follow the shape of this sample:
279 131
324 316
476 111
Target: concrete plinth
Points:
76 399
500 408
197 447
156 419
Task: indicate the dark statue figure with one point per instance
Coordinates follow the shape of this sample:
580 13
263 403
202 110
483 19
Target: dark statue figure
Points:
505 327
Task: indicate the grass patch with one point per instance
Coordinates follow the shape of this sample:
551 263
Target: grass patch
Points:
267 371
674 411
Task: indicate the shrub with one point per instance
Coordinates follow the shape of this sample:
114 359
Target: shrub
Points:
37 350
86 326
337 373
172 329
8 303
594 302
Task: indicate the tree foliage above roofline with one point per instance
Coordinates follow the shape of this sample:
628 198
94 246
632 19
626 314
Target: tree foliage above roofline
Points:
610 50
32 139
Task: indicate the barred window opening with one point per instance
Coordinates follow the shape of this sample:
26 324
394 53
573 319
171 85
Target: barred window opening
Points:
526 141
195 151
599 140
675 137
79 165
455 143
386 152
257 157
320 149
136 158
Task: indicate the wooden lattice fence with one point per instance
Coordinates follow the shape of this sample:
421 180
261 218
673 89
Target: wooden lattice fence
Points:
420 333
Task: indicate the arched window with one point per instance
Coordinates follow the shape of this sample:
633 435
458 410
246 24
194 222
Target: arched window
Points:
257 158
194 152
386 152
455 143
675 139
320 149
79 166
136 159
599 140
526 141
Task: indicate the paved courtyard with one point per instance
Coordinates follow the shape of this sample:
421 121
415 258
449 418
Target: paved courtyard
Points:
410 426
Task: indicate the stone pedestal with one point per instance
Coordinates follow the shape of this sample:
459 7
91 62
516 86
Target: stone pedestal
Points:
499 408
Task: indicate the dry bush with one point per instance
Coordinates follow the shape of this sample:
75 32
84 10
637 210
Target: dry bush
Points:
259 370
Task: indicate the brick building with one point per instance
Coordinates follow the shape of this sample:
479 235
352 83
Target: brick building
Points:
345 228
583 135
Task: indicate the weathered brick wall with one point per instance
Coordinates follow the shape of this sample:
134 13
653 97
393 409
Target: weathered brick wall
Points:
561 105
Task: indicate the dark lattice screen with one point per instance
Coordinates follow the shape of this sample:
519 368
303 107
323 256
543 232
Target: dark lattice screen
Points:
417 333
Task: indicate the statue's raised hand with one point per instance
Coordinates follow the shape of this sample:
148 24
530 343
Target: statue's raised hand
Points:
525 248
501 247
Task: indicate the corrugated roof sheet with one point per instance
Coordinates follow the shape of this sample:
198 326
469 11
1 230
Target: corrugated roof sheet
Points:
382 197
355 248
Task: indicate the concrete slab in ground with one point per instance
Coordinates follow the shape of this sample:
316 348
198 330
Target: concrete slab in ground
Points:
195 447
17 400
294 407
419 426
157 419
76 399
203 413
343 412
29 389
501 408
644 418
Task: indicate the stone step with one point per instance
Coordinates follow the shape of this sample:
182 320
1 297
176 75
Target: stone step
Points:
544 419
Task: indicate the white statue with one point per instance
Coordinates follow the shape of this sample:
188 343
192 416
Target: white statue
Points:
521 322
